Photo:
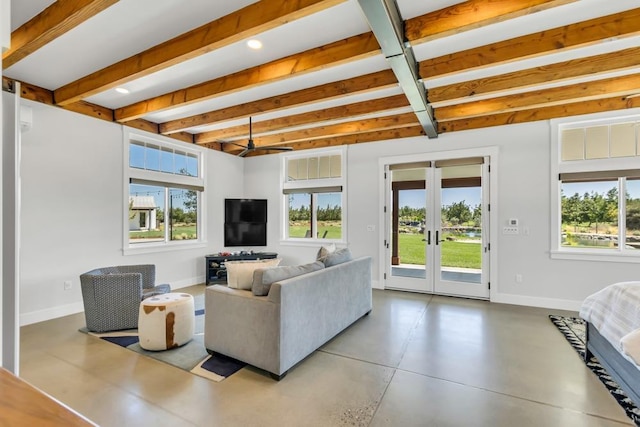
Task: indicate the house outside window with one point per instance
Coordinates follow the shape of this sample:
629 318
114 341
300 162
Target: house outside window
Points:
314 196
596 190
164 194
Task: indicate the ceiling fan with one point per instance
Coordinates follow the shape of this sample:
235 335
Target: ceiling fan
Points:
252 147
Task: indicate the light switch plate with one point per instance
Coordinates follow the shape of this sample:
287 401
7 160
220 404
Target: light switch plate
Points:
510 230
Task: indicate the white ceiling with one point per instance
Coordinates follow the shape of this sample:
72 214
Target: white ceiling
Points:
131 26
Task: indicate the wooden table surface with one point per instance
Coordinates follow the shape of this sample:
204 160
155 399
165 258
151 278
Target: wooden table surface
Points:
21 404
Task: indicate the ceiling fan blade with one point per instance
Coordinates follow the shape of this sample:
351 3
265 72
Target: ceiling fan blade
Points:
232 143
275 148
245 152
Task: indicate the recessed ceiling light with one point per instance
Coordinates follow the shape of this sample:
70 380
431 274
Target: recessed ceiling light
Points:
122 90
254 44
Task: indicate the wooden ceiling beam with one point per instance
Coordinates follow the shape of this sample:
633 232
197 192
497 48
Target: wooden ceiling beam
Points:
45 96
374 81
342 51
357 138
621 24
254 19
544 113
353 127
470 15
51 23
582 67
586 91
340 112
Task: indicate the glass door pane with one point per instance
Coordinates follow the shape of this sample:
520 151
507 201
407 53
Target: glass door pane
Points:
411 257
409 230
460 246
461 228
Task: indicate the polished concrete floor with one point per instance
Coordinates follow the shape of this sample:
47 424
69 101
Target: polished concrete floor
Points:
416 360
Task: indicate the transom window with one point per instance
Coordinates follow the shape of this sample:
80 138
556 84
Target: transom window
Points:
164 194
314 194
596 195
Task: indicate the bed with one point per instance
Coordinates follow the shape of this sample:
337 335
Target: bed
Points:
613 333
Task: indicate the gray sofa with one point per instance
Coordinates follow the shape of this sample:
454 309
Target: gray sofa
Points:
299 314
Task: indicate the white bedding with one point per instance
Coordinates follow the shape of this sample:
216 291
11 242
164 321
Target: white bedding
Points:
615 312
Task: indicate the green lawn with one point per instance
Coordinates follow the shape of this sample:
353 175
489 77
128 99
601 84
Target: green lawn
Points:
454 254
177 233
333 230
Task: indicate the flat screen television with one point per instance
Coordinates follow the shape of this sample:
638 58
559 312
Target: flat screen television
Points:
245 210
245 222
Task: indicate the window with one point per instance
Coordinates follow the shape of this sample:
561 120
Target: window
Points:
165 192
314 196
596 190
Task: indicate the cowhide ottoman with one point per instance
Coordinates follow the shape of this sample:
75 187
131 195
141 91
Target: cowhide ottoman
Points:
166 321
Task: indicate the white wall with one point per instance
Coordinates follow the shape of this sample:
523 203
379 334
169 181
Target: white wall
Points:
72 211
523 193
72 201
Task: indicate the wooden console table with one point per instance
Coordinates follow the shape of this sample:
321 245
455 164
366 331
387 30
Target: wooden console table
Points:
21 404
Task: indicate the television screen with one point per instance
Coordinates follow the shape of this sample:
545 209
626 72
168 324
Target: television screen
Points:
245 234
245 210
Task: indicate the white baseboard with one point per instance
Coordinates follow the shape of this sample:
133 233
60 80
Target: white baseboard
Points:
375 284
187 282
78 307
51 313
552 303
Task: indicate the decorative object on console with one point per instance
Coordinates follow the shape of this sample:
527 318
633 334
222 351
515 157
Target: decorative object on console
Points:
240 273
112 295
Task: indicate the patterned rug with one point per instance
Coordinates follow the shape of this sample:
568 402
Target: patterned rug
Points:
192 357
574 330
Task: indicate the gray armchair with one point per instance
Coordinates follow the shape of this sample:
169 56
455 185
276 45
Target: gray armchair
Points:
112 295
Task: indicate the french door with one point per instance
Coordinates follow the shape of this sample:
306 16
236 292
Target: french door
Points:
436 226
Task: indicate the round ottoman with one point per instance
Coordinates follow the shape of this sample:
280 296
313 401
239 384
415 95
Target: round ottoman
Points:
166 321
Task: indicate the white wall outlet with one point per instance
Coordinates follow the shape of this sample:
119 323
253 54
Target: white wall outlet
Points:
513 222
518 278
371 227
510 230
67 285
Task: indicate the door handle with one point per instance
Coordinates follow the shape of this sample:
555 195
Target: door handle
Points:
438 241
428 237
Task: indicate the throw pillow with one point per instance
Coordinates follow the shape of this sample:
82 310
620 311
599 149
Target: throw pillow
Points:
263 278
338 257
240 273
325 250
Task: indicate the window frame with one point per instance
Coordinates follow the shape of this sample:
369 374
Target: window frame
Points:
558 167
167 181
311 184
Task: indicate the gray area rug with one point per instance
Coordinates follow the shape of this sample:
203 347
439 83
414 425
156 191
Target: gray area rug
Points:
192 357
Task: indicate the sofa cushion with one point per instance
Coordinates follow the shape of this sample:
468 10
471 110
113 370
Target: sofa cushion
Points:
240 273
337 257
263 278
325 250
